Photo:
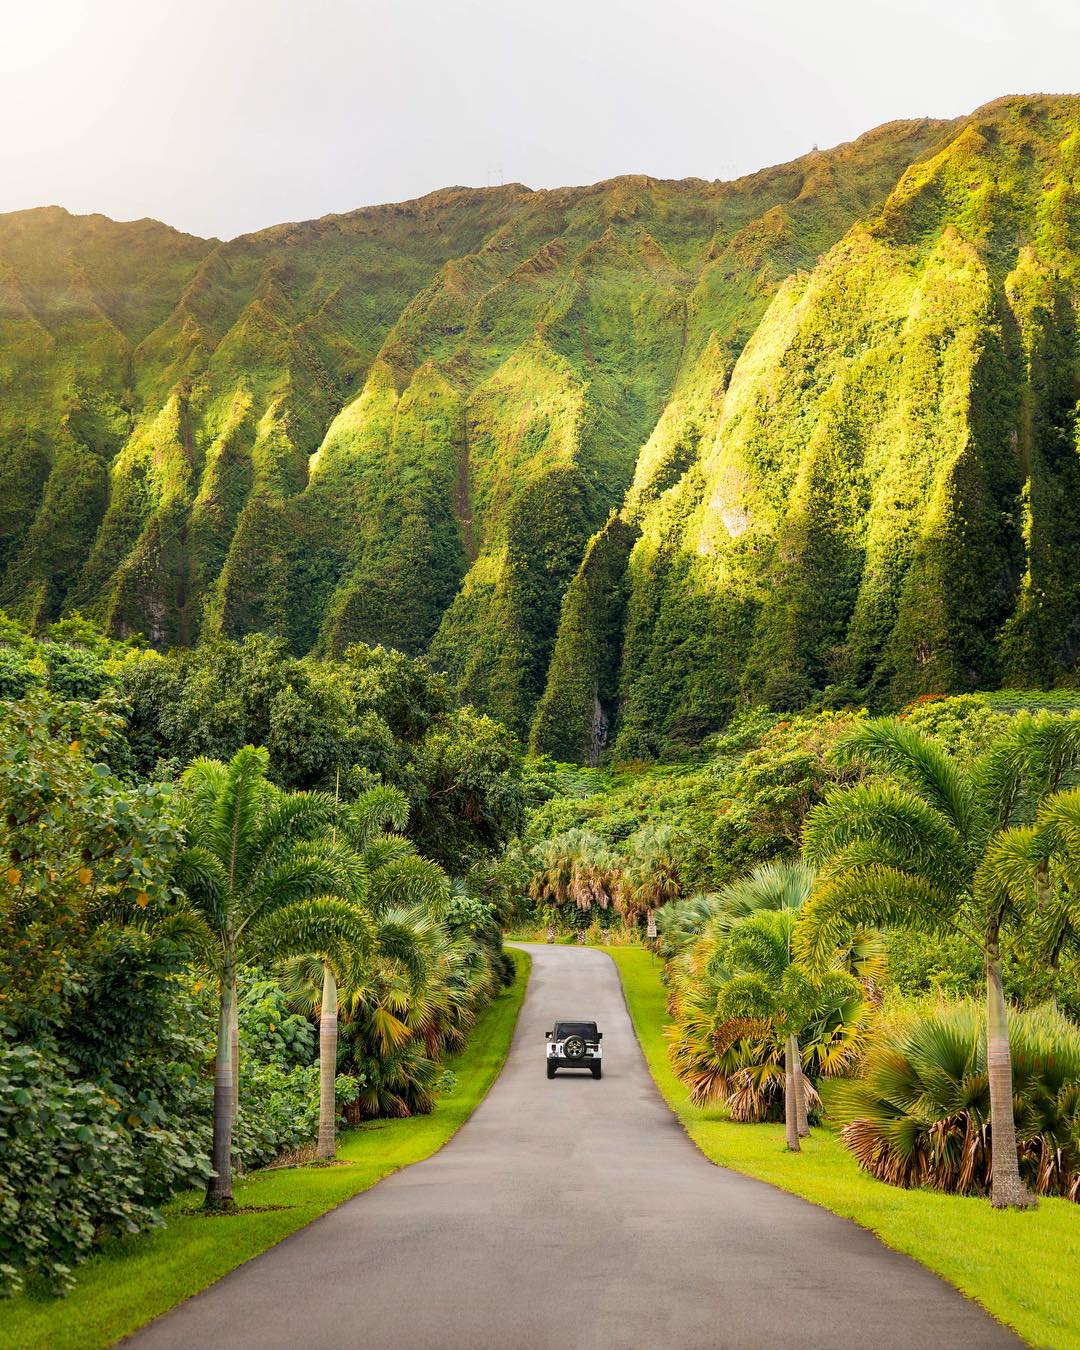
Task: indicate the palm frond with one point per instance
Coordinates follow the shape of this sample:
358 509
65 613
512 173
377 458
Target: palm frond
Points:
868 895
226 803
301 979
201 875
324 925
919 761
372 812
405 937
288 820
410 881
894 826
303 872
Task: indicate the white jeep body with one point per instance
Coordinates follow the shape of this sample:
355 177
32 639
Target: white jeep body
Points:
574 1045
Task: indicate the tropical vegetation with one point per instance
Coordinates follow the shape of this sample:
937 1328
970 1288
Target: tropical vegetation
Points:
1022 1265
753 1027
620 459
921 1113
129 1282
918 845
748 508
926 858
161 920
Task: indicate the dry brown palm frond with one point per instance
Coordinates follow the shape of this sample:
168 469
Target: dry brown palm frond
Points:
755 1093
739 1029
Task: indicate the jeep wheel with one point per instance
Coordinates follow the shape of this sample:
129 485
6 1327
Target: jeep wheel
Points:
551 1070
597 1069
573 1048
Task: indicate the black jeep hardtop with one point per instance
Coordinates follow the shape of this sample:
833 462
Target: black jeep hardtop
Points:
586 1030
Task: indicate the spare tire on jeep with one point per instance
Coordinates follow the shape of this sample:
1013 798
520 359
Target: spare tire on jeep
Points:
573 1048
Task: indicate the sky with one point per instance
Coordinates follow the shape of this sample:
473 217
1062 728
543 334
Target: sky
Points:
224 116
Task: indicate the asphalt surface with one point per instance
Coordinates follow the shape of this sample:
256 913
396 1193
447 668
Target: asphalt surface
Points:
576 1215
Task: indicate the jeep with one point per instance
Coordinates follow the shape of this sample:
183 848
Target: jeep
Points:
574 1045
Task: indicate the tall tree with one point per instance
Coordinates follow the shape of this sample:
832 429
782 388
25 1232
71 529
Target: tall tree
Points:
388 872
262 880
575 868
912 848
651 877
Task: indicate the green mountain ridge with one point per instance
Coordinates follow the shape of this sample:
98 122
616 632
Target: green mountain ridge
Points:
619 458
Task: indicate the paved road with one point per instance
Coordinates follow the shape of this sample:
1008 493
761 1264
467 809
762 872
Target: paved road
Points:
576 1215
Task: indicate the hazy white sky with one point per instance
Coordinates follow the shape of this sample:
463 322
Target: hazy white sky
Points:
221 116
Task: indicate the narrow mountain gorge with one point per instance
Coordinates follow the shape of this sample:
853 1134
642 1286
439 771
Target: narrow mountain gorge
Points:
618 458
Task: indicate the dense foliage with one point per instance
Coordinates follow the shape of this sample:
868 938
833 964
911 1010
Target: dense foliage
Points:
740 1002
618 458
740 803
375 716
919 1114
948 842
113 995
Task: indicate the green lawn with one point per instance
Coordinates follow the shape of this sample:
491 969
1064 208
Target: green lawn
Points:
131 1282
1023 1267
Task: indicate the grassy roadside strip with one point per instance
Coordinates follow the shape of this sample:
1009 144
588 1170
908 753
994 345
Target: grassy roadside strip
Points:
1023 1268
134 1281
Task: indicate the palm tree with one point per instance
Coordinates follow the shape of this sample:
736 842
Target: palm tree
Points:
1039 866
761 1004
918 1113
916 848
681 922
403 1018
651 878
773 886
259 875
388 872
574 867
329 984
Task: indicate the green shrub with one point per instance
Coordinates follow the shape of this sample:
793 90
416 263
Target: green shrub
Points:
270 1032
279 1111
71 1172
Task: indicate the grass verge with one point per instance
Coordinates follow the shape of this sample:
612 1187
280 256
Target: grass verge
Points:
1024 1268
131 1282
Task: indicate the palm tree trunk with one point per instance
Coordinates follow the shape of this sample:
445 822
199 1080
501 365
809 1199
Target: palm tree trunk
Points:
801 1120
581 937
234 1044
327 1066
790 1111
219 1192
551 932
234 1056
1006 1188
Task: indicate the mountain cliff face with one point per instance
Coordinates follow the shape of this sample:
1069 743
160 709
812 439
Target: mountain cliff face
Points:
617 457
885 500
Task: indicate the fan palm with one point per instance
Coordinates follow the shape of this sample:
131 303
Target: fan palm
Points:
261 880
765 996
919 1114
400 1021
681 922
651 877
914 848
773 886
575 867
